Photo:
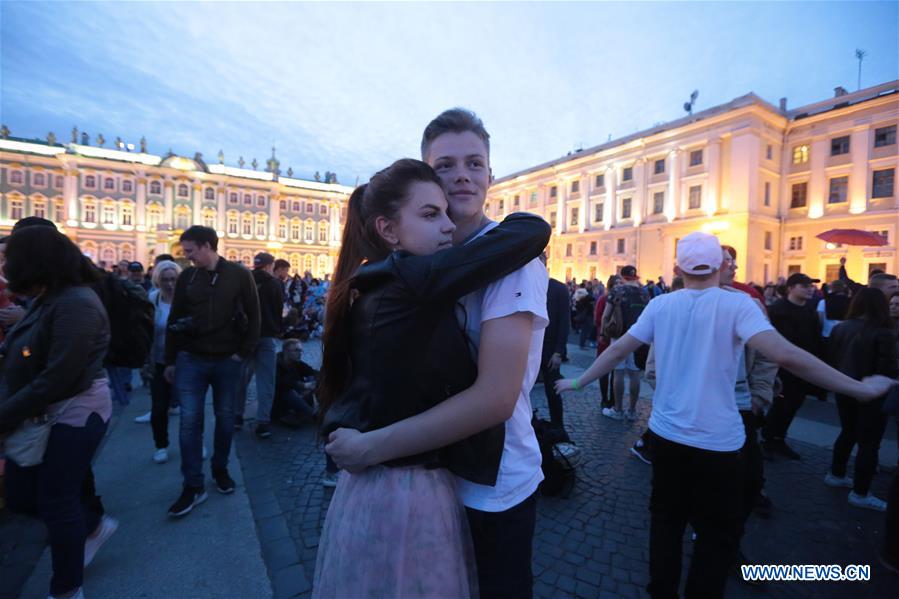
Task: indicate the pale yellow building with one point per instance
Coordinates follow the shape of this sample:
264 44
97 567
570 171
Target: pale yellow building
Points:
765 179
125 205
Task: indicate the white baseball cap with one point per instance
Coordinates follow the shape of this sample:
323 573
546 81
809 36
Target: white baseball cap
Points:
699 253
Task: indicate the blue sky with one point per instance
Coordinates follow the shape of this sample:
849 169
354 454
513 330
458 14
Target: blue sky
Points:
348 87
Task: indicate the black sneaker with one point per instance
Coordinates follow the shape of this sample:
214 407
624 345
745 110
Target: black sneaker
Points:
642 452
223 482
263 430
190 497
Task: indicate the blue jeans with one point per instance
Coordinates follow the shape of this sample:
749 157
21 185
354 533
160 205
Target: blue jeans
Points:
118 377
52 491
262 364
194 375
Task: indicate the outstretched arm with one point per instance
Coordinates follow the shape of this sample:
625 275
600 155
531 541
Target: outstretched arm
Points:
604 364
808 367
502 361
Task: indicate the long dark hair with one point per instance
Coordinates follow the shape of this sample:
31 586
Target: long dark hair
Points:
384 195
42 258
871 306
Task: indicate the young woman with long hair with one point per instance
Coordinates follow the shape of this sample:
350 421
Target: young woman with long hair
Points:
393 349
862 345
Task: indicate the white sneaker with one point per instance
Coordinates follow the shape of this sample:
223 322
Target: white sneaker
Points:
612 413
176 411
835 481
143 419
161 456
867 501
108 525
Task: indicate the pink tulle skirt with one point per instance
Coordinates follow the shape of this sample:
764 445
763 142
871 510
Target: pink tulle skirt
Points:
395 533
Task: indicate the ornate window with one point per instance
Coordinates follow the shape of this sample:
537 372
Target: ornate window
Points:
16 178
16 209
282 205
39 180
323 232
308 231
182 217
232 222
695 200
154 215
39 207
295 230
155 187
295 262
90 212
247 223
109 184
209 194
90 181
59 211
209 218
183 190
295 206
310 207
60 182
232 198
247 199
323 209
127 214
260 224
308 262
127 186
282 229
107 213
324 265
260 201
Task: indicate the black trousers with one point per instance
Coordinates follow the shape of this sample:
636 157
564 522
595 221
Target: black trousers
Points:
161 401
553 400
54 491
863 424
753 464
784 409
605 385
702 487
502 547
891 535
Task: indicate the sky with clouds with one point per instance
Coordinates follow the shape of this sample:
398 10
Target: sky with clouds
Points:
348 87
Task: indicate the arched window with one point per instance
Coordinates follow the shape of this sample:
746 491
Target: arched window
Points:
308 231
323 209
261 222
295 206
109 183
209 194
16 208
126 214
39 179
324 265
308 262
232 255
126 251
59 210
89 249
246 223
107 214
182 217
154 215
183 190
295 262
295 230
155 187
16 177
90 181
209 218
232 198
127 186
39 206
323 232
232 218
247 199
260 201
90 211
282 229
108 253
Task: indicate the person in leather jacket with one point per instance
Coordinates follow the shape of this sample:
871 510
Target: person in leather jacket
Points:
393 348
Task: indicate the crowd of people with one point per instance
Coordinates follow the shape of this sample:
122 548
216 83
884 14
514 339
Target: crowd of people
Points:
435 328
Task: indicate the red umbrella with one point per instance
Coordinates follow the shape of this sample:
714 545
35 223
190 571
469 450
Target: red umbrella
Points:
852 237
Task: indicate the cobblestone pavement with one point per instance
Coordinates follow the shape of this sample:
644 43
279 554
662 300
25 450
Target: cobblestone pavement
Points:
595 542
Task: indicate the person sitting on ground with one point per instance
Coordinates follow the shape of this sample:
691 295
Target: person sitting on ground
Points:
864 344
295 383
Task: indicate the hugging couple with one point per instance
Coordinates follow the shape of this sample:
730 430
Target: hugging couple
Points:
433 337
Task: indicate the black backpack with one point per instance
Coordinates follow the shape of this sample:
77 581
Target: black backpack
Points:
559 474
131 315
633 300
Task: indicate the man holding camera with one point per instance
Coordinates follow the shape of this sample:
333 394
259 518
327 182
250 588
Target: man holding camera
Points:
213 327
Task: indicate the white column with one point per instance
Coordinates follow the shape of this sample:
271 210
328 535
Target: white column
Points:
70 196
713 193
169 195
220 208
611 210
334 233
584 222
561 208
860 145
196 203
817 187
672 199
141 216
274 215
639 202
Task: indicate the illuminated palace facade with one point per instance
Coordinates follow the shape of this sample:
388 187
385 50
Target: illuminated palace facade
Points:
125 205
765 179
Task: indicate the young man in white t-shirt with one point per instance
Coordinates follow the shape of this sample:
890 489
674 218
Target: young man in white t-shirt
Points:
697 433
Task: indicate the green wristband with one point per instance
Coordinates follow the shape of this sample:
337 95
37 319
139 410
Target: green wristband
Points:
576 384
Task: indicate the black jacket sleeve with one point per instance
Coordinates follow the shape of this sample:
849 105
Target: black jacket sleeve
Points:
249 299
462 269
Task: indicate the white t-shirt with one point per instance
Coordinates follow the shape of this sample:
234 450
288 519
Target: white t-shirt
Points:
519 471
699 337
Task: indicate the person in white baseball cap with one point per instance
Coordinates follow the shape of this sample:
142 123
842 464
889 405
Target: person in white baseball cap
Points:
696 431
